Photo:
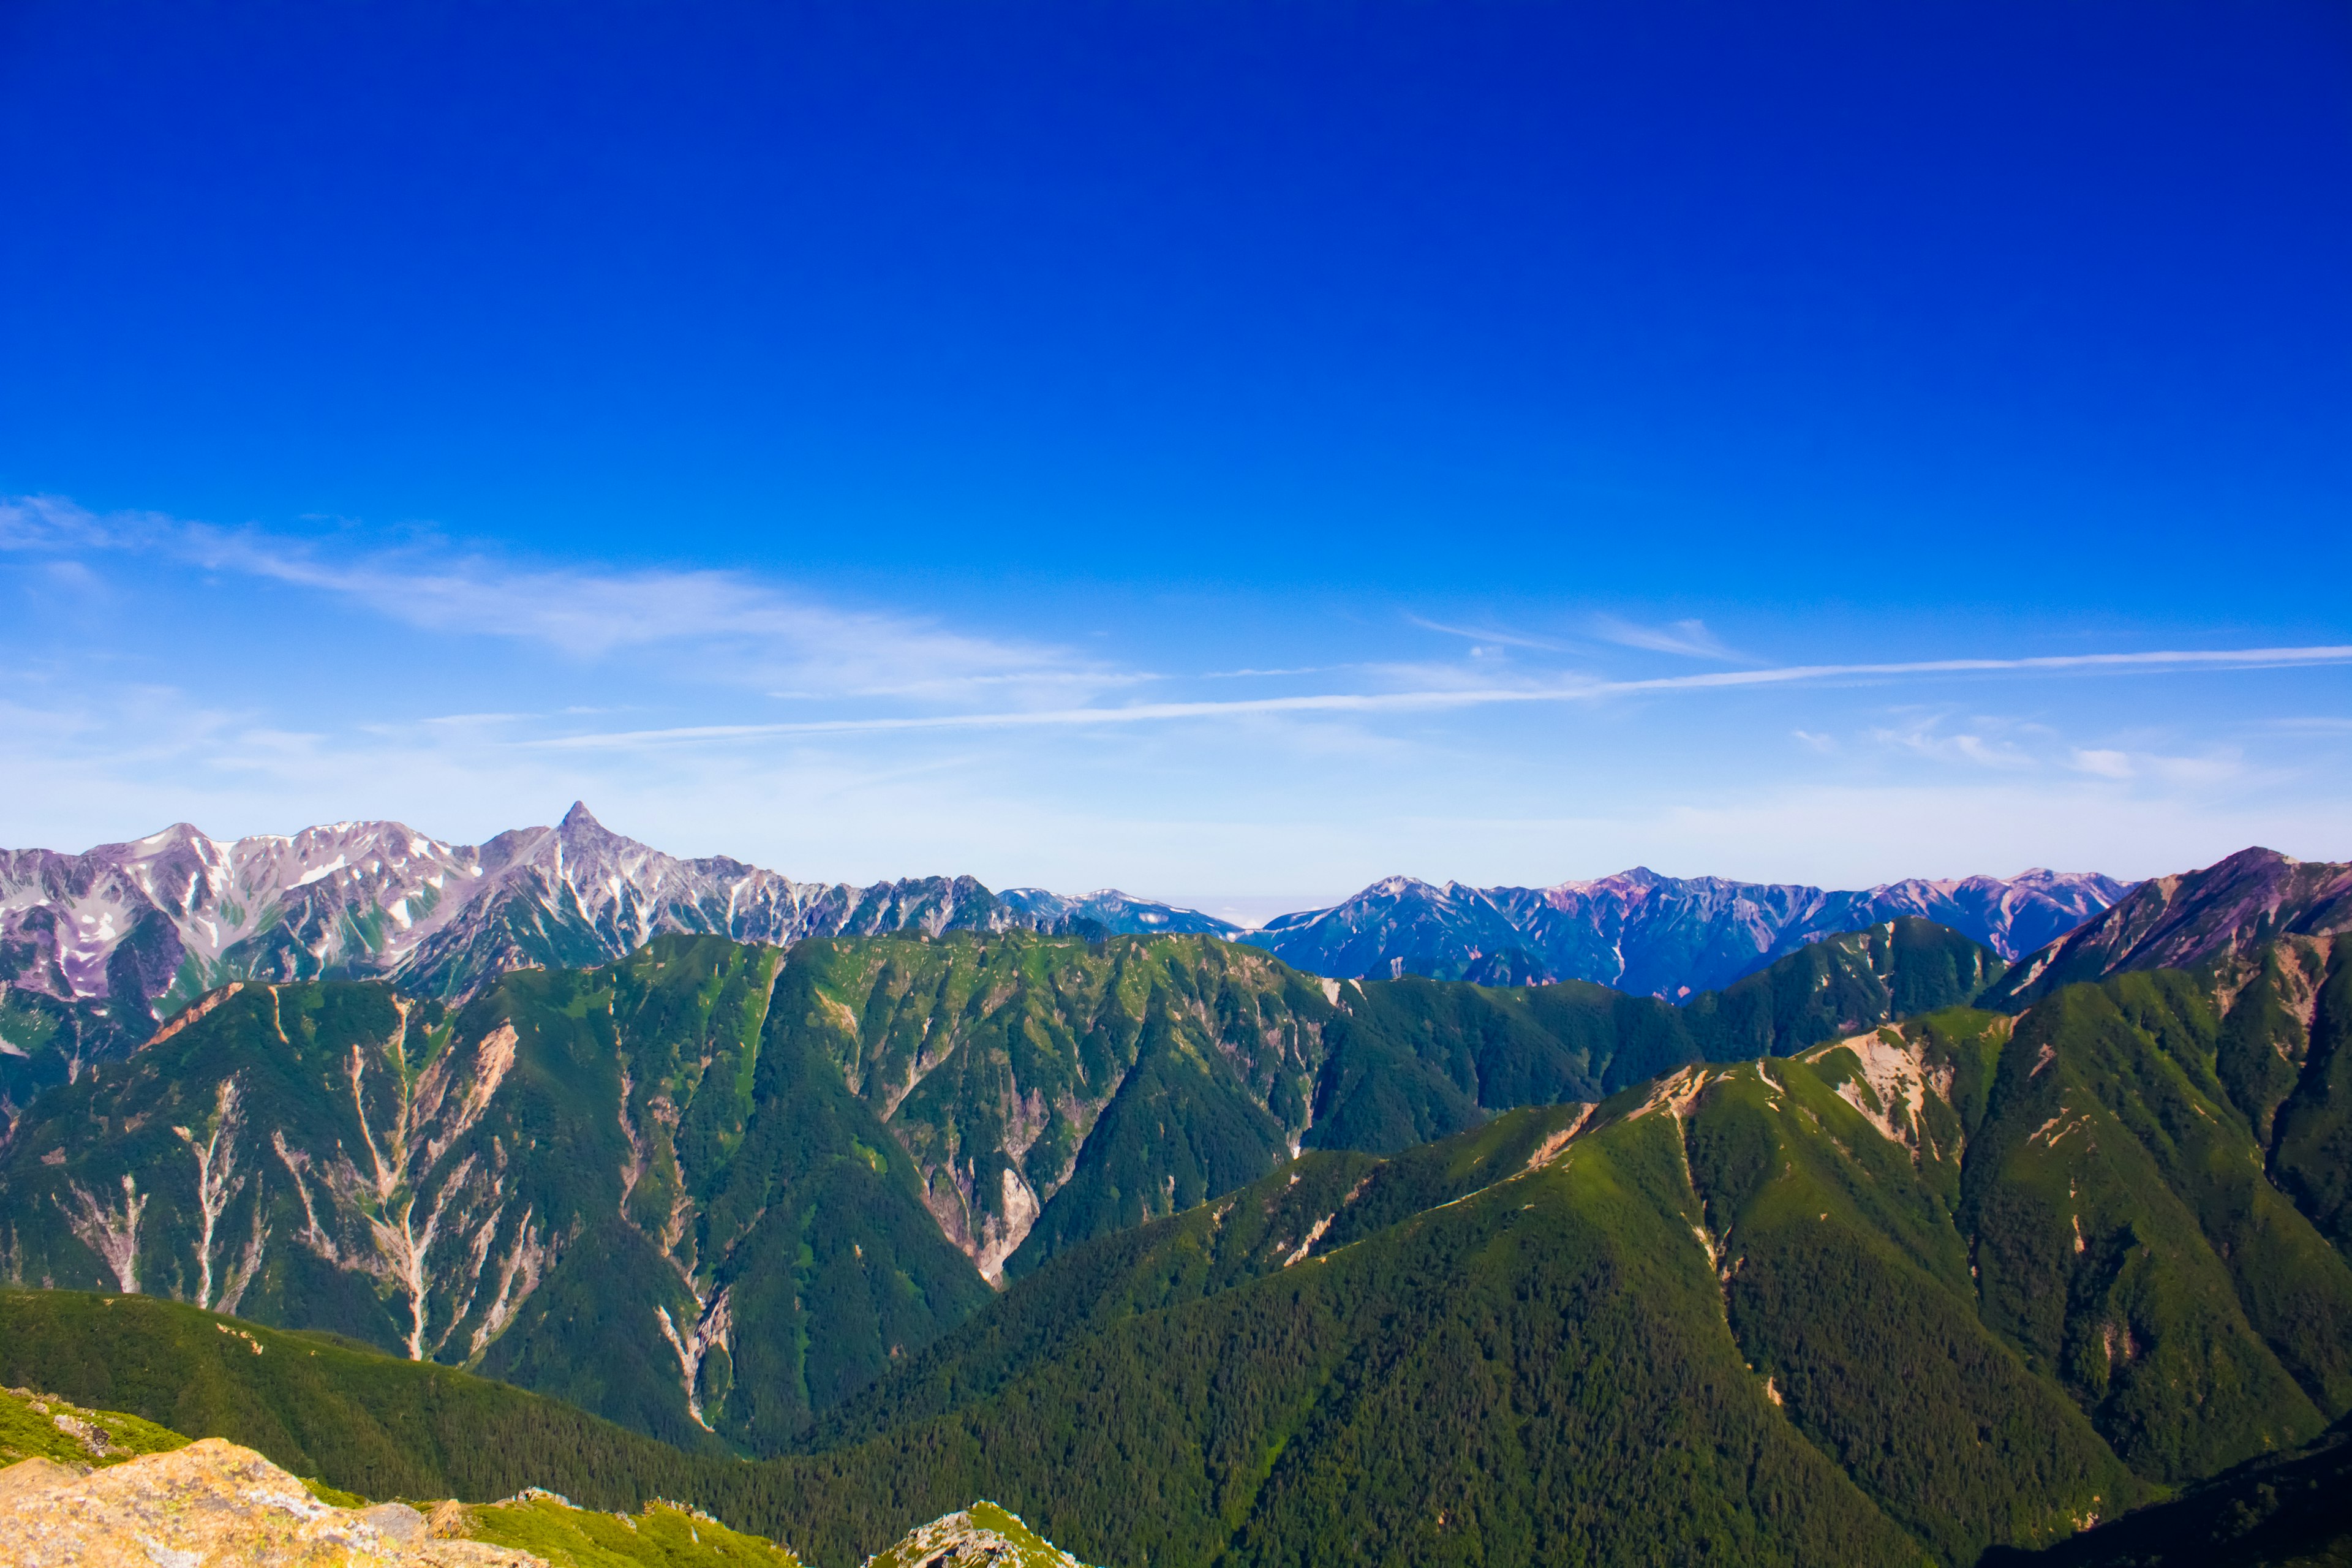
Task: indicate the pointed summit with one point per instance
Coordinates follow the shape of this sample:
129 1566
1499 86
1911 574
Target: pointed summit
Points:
578 818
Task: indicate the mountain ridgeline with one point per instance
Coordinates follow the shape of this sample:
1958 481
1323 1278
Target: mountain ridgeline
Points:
1660 936
96 948
713 1190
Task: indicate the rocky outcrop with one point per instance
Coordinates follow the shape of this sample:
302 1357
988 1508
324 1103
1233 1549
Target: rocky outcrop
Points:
211 1503
982 1536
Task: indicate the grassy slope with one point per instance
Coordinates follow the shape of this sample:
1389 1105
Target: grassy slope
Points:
659 1536
359 1420
29 1430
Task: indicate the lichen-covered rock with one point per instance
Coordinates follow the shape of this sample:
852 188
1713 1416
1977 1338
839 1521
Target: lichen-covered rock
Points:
982 1536
209 1505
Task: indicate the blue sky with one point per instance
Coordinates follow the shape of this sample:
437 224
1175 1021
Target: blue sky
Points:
1230 451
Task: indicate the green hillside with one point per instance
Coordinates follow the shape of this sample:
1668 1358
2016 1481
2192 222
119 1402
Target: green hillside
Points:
1888 1231
34 1424
1899 1298
1424 1059
615 1185
712 1191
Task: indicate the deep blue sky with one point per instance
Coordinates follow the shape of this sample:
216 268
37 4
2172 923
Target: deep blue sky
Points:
1075 355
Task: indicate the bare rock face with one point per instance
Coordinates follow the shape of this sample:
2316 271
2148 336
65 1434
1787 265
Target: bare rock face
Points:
34 1475
209 1505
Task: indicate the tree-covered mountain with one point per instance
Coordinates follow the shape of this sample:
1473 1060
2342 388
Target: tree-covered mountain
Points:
713 1190
1928 1288
2260 938
1997 1278
620 1186
1422 1058
1662 936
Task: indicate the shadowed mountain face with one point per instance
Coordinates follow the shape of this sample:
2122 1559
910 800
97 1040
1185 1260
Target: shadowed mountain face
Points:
1660 936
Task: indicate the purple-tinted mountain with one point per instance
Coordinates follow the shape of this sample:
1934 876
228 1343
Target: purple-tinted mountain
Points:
1660 936
2194 919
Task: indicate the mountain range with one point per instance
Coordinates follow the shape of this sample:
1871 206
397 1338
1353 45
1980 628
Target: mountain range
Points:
96 948
1659 936
1889 1251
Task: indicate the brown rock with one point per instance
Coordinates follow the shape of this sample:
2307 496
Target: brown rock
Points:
34 1475
450 1521
209 1505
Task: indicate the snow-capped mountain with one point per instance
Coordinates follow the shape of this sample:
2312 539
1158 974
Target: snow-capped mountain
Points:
108 941
1665 936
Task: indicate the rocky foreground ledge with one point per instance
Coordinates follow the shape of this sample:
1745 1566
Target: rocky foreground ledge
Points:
212 1503
99 1488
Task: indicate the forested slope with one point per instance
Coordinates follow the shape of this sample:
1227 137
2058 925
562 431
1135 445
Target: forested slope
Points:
1899 1298
713 1190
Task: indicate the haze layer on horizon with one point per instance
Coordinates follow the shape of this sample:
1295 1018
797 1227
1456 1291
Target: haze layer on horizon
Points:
1223 453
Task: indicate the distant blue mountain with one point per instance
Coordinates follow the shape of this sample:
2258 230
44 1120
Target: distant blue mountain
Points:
1660 936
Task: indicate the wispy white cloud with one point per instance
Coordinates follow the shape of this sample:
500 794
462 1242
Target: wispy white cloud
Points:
647 692
1927 738
1491 637
740 630
1689 638
1558 690
2204 771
